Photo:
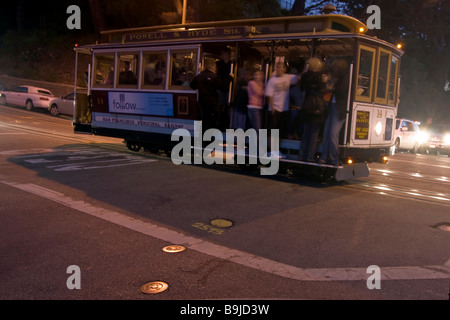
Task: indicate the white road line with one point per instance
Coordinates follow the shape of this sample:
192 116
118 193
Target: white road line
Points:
233 255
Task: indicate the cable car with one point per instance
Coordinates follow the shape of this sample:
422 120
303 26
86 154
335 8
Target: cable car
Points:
146 108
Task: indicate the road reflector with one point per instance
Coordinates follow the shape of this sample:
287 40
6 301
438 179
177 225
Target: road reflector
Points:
442 226
221 223
174 248
154 287
445 227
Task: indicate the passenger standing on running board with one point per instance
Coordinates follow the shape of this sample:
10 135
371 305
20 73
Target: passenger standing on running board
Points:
256 100
339 73
313 109
208 84
277 91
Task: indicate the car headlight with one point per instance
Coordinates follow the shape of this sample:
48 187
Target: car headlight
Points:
423 137
447 139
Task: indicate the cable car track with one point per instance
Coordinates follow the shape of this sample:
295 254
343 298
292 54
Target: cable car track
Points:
403 190
35 115
110 143
414 176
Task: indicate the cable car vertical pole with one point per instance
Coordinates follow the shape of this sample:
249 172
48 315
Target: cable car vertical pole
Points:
232 84
89 71
230 110
350 84
268 74
183 19
75 88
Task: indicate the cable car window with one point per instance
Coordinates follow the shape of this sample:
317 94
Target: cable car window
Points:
383 74
155 70
389 129
128 70
104 70
392 80
183 68
365 73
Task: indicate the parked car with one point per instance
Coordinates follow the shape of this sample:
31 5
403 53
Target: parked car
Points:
27 96
63 105
438 139
408 135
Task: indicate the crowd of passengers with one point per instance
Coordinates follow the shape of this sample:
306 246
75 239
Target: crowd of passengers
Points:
301 105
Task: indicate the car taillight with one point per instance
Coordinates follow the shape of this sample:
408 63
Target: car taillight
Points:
44 99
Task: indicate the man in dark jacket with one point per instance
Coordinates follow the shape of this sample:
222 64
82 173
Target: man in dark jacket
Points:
312 84
208 83
224 68
339 71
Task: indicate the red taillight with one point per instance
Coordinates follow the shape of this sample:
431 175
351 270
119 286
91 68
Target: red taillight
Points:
44 99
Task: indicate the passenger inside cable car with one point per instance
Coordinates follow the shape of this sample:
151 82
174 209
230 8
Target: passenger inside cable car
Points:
127 76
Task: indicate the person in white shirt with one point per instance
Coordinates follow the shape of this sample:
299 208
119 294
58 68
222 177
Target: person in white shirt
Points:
277 91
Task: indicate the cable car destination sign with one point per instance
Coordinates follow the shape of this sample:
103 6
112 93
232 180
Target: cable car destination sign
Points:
185 34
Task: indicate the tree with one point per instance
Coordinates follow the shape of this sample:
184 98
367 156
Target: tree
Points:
20 15
98 18
298 9
215 10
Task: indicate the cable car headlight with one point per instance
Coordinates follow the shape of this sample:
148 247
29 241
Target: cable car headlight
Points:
378 128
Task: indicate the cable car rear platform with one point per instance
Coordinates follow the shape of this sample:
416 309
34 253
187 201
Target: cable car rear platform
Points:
346 170
324 172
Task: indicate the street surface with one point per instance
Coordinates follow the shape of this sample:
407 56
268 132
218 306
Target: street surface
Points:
78 200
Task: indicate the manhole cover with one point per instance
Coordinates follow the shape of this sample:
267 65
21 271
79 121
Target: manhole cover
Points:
154 287
174 248
221 223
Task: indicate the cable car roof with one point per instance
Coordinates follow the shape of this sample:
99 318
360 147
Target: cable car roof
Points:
245 27
275 28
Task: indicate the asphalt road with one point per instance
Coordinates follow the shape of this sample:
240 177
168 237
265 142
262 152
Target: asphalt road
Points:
86 201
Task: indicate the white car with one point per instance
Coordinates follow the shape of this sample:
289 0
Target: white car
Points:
27 96
408 135
63 105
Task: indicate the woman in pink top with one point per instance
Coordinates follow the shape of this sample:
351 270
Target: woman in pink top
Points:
256 99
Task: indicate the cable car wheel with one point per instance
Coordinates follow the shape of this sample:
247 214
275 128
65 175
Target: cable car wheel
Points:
249 167
134 146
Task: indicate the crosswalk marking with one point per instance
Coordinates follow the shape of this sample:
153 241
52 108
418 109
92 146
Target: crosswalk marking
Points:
75 159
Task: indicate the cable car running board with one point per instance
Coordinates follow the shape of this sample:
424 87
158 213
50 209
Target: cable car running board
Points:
338 173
